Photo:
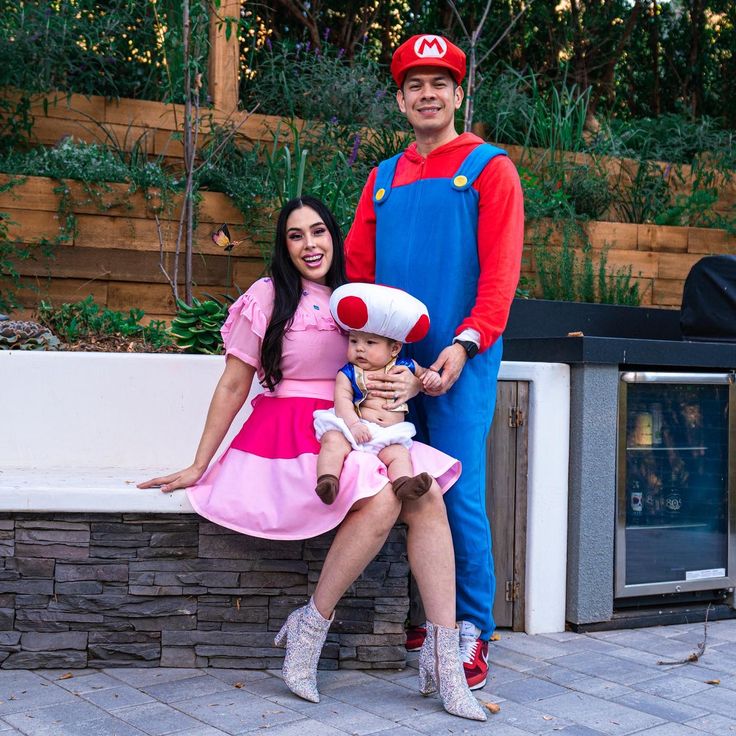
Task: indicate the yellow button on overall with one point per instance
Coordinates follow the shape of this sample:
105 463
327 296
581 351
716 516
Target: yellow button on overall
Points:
460 181
380 194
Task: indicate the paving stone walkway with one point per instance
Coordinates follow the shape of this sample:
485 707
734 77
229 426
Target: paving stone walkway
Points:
569 684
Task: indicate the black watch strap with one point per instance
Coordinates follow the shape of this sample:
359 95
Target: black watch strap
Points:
471 349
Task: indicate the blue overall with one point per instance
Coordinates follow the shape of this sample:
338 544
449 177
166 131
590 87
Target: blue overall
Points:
426 244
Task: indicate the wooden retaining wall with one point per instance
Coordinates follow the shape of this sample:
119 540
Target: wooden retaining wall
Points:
660 257
154 127
114 253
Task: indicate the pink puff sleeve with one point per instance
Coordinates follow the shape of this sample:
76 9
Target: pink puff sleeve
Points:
247 321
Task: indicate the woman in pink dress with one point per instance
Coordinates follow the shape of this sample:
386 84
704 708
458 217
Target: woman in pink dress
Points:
282 331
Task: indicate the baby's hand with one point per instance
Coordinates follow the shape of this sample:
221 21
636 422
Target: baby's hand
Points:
431 380
360 432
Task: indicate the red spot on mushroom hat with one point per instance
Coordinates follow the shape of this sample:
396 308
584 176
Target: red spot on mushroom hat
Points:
381 310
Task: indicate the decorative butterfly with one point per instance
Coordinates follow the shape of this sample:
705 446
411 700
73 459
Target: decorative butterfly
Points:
222 239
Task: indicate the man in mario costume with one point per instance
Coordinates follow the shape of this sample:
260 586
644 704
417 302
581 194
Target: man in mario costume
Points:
444 220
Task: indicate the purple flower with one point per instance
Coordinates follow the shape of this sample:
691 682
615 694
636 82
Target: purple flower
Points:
380 94
354 152
326 34
307 46
333 120
666 173
340 53
268 43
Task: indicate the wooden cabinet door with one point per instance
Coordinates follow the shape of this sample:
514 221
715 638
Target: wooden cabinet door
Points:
506 500
505 506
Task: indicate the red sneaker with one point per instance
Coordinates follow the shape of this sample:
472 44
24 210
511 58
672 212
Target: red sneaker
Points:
415 636
474 654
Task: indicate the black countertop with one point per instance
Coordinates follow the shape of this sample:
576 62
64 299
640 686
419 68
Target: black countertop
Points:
622 351
539 331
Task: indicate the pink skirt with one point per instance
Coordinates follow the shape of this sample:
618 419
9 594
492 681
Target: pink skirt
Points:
263 484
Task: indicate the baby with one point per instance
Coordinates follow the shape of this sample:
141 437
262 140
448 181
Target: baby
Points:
360 421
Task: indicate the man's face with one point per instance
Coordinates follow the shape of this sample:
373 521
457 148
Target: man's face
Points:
429 98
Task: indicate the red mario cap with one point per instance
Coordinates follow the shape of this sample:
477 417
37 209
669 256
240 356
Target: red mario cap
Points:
428 50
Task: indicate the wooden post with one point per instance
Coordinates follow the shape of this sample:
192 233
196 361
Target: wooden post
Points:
224 59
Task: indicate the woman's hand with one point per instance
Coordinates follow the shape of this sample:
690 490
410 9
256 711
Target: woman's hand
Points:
181 479
397 386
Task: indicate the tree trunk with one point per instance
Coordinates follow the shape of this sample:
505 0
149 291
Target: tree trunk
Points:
654 49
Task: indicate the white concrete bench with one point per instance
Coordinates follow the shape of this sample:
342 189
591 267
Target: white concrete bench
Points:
79 430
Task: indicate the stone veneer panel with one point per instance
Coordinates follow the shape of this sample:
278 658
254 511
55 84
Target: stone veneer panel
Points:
102 590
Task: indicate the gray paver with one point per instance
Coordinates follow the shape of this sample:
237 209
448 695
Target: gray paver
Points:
436 724
670 729
156 719
238 711
120 696
170 692
669 710
21 690
606 667
571 684
716 700
524 691
596 713
345 717
143 676
714 723
673 686
38 717
103 726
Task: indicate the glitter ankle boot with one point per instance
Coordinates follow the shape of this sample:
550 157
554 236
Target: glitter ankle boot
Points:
440 669
303 636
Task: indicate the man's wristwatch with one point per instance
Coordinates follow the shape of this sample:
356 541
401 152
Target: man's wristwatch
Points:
471 349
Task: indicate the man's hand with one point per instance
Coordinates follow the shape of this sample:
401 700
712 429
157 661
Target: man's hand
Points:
449 364
397 386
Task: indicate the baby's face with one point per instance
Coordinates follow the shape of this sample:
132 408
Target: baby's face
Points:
371 352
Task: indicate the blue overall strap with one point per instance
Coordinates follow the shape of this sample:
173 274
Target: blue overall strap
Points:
408 362
385 179
473 164
349 370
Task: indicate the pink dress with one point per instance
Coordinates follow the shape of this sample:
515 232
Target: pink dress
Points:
263 484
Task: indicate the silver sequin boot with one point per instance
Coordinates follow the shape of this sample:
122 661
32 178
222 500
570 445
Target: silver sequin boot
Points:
303 636
440 669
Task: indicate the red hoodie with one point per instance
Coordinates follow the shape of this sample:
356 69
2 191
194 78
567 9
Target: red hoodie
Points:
500 229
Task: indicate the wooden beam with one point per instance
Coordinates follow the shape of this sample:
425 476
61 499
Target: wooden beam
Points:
224 59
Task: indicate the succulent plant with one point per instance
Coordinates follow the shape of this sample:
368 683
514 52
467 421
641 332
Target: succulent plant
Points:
196 327
25 335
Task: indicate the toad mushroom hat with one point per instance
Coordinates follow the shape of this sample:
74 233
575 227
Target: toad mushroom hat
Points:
381 310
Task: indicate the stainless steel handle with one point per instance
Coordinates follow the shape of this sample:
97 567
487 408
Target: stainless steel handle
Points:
661 377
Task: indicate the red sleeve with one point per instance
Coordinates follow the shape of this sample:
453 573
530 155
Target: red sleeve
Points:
500 243
360 244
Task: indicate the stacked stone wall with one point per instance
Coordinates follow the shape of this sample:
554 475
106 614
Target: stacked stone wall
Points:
99 590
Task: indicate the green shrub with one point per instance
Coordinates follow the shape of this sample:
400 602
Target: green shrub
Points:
85 319
196 327
563 276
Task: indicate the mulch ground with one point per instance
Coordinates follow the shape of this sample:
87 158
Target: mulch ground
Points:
116 344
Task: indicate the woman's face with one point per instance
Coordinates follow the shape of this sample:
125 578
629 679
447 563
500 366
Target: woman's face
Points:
309 244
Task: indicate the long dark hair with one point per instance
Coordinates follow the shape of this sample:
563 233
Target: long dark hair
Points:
288 286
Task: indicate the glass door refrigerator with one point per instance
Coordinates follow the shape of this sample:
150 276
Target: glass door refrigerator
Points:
676 486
